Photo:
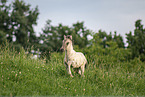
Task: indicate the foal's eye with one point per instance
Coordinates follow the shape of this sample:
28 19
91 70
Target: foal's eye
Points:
67 43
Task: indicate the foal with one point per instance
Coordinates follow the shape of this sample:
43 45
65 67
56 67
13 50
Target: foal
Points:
72 58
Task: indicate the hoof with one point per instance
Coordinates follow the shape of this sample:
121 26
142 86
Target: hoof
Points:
82 75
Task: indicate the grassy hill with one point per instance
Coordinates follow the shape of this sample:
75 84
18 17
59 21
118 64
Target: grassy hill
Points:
22 76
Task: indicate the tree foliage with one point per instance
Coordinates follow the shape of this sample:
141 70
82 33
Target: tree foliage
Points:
108 45
23 19
17 21
106 38
136 41
5 21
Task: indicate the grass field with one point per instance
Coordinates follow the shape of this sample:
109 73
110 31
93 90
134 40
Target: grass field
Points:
22 76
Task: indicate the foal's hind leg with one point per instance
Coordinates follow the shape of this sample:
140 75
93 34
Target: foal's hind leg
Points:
83 69
79 71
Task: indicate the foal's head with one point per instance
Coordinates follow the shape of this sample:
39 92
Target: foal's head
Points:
67 40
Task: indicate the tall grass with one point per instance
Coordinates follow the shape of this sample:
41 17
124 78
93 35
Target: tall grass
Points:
22 76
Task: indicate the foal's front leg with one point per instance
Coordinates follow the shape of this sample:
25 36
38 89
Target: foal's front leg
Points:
69 70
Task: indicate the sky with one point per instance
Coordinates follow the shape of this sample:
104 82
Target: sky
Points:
107 15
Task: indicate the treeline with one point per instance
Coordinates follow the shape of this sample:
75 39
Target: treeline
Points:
17 21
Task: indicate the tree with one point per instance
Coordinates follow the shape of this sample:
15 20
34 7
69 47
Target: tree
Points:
119 40
5 21
80 34
109 37
17 20
23 19
136 41
107 46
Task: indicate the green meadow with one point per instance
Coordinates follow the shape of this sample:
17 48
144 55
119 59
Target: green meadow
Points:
20 75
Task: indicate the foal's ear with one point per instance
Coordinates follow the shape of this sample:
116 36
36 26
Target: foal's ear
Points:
64 37
71 37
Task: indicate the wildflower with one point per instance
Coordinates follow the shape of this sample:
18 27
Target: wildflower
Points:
1 62
16 75
13 71
2 75
8 77
19 72
110 84
84 89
